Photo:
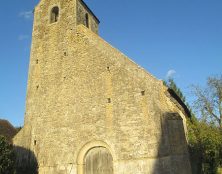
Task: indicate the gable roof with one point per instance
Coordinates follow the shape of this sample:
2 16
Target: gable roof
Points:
7 130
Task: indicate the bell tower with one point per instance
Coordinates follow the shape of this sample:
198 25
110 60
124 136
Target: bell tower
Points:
86 17
67 13
55 23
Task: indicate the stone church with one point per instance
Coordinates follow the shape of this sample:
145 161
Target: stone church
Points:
92 110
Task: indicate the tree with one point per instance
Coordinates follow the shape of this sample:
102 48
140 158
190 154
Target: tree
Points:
208 103
7 157
205 146
204 139
205 134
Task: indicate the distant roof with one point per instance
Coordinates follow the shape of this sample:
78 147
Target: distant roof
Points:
87 7
7 130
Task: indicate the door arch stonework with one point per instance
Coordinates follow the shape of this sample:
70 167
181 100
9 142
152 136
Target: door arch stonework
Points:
93 148
98 160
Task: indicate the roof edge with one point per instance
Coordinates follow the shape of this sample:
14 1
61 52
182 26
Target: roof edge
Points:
85 5
179 101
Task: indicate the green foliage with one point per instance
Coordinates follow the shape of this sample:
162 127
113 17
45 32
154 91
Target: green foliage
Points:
205 135
7 157
205 138
219 171
208 102
205 144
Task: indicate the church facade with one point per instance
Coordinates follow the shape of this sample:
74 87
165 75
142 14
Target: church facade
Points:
89 108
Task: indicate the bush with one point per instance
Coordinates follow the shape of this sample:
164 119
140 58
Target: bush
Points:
205 146
7 157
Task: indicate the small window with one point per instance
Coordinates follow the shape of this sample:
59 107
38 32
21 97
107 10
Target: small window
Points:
108 100
87 20
143 93
54 14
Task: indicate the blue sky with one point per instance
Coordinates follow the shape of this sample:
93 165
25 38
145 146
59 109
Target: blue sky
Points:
180 37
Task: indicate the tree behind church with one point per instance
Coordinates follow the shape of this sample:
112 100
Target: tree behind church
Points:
208 136
208 103
204 134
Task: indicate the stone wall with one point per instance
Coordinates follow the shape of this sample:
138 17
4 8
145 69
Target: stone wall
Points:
84 93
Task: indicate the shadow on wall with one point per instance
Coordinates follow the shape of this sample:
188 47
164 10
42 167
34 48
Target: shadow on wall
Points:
172 152
26 162
195 158
173 156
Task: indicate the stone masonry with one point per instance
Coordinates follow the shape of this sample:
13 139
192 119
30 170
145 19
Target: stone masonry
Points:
84 94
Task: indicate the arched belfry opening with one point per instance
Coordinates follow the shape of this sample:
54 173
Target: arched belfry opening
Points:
98 160
54 16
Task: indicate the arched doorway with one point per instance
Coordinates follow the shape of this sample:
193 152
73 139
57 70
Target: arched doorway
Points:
98 160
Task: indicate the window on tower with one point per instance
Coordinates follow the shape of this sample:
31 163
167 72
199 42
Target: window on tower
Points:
54 14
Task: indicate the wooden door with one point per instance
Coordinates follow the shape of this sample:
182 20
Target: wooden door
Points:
98 161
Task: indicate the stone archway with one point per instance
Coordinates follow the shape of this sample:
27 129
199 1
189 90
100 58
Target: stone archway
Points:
95 154
98 160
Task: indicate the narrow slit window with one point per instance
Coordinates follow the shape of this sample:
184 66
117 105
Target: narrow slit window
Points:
54 14
87 20
143 93
108 100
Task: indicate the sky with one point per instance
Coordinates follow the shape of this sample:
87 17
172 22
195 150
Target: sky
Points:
181 39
